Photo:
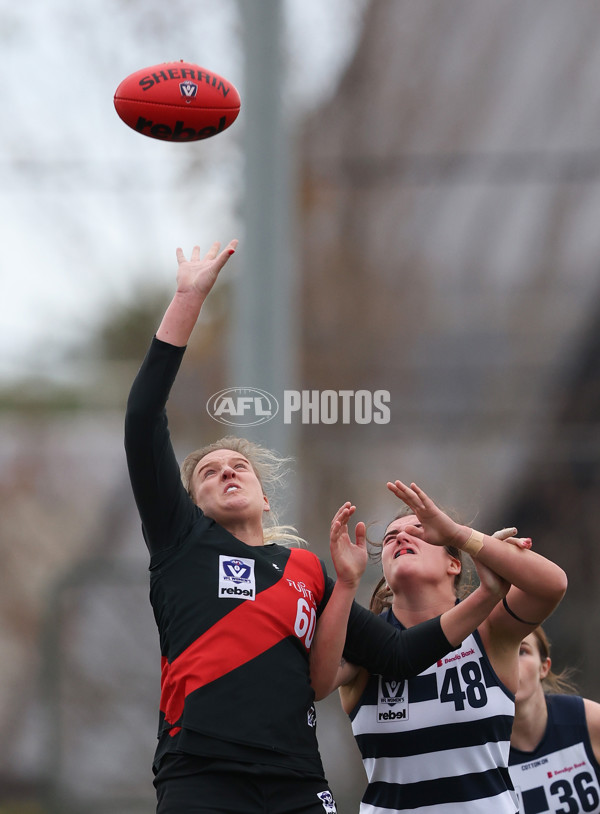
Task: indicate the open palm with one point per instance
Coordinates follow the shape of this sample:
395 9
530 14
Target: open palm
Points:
349 559
199 274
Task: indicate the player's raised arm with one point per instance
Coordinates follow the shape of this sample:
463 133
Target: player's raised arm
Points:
195 279
350 561
538 584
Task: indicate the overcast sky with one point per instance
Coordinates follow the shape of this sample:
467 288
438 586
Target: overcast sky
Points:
89 207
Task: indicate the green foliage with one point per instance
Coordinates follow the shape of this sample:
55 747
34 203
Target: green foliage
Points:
125 335
31 399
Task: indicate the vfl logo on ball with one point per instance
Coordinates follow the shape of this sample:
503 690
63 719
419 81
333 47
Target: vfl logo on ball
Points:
236 578
188 89
242 406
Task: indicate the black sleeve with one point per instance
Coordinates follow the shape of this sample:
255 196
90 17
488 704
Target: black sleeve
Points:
374 644
163 504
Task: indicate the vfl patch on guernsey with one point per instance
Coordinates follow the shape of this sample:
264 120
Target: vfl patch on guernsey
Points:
392 700
236 578
326 798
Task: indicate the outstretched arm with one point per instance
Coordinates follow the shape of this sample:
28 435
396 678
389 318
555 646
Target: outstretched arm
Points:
350 561
422 640
153 467
195 279
538 584
376 645
382 649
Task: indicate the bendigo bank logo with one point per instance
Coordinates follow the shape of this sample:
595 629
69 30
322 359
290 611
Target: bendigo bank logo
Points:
242 406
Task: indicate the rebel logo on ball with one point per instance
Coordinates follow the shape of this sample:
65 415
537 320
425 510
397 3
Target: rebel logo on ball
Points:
179 132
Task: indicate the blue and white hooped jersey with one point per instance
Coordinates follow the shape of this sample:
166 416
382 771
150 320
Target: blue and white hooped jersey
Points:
437 743
561 775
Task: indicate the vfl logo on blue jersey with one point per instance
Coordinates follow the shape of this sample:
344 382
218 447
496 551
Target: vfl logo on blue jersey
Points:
236 578
188 89
392 694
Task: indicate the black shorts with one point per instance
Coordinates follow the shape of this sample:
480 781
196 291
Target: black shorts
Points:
186 784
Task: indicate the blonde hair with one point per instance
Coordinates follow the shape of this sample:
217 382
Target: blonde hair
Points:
382 596
270 469
562 682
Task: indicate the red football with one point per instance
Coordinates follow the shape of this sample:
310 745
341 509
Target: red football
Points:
177 101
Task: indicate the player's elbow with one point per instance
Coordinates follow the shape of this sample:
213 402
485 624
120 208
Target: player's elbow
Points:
556 586
562 583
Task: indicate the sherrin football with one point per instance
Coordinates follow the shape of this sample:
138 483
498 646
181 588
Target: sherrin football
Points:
177 101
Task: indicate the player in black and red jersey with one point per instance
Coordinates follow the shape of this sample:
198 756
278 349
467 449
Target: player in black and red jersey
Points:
238 613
